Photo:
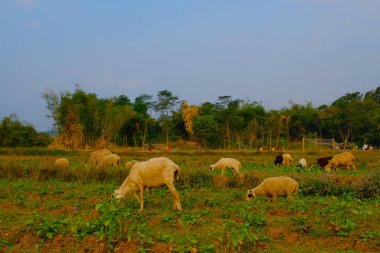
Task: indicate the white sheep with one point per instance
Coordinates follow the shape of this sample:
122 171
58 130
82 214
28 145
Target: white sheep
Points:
61 163
155 172
224 163
109 160
344 159
287 159
275 186
98 155
302 163
128 165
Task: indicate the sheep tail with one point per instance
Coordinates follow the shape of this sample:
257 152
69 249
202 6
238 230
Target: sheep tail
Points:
296 189
177 173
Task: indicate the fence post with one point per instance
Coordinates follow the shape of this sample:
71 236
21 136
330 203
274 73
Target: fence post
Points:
303 144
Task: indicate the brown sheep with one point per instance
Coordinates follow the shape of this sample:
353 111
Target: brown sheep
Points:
344 159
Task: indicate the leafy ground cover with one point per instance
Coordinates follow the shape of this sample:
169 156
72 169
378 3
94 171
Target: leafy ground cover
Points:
47 210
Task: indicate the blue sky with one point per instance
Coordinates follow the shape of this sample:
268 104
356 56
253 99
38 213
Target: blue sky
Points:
272 51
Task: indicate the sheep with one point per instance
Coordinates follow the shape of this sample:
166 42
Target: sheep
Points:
302 163
61 163
224 163
98 155
128 165
273 187
284 159
278 160
155 172
287 159
344 159
109 160
323 161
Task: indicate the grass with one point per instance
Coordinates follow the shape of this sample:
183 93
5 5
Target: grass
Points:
47 210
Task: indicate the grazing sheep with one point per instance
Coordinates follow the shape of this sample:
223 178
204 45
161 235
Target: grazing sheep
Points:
287 159
98 155
273 187
323 161
224 163
344 159
278 160
302 163
284 159
128 165
109 160
61 163
155 172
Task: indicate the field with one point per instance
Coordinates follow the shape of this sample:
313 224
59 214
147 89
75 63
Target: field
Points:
43 209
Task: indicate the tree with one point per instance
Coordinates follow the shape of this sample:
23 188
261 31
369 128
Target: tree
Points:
14 133
188 113
205 129
164 105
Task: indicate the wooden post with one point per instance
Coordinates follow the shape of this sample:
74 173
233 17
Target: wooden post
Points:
303 144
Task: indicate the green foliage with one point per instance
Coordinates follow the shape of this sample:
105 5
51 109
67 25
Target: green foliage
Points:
227 123
14 133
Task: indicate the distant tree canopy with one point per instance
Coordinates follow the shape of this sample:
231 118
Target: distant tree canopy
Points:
82 119
14 133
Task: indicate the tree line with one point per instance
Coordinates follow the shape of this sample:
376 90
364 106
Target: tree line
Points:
82 119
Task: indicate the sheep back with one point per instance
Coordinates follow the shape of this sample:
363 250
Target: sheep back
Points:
302 163
278 160
110 160
287 159
227 163
61 163
98 155
129 164
155 172
277 186
344 159
323 161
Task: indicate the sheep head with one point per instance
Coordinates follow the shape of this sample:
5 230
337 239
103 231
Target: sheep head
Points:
250 194
118 194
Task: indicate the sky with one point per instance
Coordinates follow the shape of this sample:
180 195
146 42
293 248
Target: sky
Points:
272 51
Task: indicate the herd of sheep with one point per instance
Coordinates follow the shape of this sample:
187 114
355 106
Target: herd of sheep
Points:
161 171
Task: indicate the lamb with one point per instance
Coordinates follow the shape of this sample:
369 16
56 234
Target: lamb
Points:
98 155
109 160
61 163
128 165
344 159
302 163
275 186
224 163
284 159
155 172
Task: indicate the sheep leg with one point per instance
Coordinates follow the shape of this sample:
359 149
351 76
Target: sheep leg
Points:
223 171
137 197
274 198
176 200
141 197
